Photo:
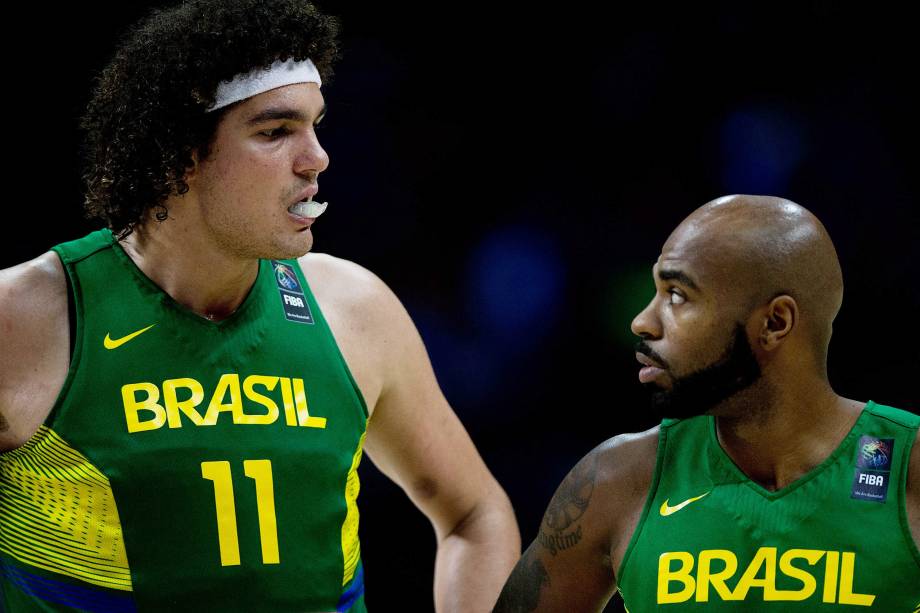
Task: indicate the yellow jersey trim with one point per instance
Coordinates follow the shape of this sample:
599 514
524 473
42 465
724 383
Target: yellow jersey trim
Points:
58 513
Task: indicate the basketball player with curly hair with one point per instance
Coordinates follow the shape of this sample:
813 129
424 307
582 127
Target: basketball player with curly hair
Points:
186 394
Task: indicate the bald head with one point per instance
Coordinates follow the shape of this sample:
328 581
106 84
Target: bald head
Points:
760 247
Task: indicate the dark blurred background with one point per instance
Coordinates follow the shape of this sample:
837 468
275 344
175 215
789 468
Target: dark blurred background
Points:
512 173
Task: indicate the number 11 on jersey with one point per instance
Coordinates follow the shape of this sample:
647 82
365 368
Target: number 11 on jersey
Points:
228 538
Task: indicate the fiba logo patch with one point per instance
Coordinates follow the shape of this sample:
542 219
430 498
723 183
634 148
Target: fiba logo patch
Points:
875 453
873 468
293 301
286 277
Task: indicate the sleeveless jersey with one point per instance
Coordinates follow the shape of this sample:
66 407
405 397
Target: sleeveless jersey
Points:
837 539
188 464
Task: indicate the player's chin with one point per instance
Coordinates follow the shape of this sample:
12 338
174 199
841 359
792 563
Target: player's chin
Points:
290 247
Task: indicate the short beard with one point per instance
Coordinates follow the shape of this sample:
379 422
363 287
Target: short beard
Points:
703 390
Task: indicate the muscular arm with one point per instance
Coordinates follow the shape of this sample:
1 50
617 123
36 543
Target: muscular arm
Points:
34 346
570 567
416 439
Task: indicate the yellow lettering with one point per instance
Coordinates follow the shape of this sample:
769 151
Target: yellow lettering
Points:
183 400
174 405
830 576
287 397
228 382
765 558
269 383
705 576
303 416
808 581
682 575
133 406
847 596
839 571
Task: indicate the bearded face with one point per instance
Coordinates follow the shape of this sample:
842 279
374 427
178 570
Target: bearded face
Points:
708 385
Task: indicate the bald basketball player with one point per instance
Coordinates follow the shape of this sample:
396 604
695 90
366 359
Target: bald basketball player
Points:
763 490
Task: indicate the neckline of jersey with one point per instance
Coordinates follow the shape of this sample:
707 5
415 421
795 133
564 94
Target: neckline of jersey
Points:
811 474
172 303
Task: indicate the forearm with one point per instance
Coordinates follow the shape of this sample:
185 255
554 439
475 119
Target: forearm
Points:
475 559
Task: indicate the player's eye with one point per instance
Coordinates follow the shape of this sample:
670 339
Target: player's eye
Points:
274 133
676 297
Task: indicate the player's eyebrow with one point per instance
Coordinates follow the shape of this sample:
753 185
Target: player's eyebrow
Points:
668 274
276 113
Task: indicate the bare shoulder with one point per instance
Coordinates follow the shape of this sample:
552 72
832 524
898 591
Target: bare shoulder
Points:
571 565
34 336
33 298
628 457
349 292
331 275
625 466
368 321
348 288
43 275
607 486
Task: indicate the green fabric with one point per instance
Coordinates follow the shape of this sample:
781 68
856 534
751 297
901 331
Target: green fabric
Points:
810 546
166 480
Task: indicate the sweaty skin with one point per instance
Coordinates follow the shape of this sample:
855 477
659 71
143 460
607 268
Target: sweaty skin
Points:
762 262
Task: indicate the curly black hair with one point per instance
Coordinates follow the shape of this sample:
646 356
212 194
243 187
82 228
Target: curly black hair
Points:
147 112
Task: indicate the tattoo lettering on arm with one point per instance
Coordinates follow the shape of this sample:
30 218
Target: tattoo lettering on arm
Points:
4 425
567 506
522 592
560 530
557 542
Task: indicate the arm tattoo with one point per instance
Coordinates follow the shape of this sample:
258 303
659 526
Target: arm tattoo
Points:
522 592
567 506
4 425
559 541
573 496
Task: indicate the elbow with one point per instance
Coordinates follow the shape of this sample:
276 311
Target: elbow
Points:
491 515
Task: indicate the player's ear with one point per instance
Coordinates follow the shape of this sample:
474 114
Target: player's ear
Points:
779 319
192 171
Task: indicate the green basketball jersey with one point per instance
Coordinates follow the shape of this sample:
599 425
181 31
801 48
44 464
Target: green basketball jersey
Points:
837 539
188 464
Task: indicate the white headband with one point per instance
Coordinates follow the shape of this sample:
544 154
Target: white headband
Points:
259 80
